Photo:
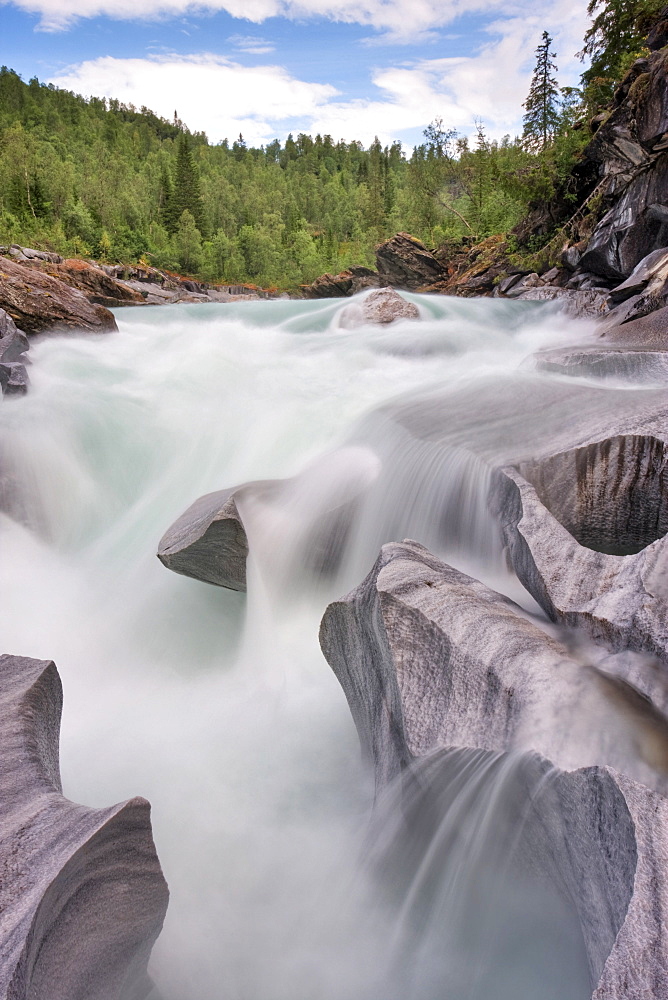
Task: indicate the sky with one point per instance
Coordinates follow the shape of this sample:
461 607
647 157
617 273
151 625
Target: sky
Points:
353 69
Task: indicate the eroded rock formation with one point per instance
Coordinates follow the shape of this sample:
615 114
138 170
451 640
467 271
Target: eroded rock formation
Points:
82 898
431 659
38 303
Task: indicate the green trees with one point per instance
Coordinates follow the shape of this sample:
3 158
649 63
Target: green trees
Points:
614 39
541 117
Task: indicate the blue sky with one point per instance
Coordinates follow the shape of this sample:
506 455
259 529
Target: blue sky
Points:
351 68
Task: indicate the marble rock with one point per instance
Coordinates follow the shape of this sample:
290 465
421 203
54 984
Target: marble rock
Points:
82 897
14 379
586 534
632 364
433 661
13 342
378 308
208 541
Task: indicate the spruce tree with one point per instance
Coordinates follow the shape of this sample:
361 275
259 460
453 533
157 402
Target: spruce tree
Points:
541 118
185 194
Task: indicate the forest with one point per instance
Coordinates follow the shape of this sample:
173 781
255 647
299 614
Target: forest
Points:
96 178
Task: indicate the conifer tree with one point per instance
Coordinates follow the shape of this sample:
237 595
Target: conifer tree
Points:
185 194
541 118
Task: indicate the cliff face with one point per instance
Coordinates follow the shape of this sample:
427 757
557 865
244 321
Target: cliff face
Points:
630 148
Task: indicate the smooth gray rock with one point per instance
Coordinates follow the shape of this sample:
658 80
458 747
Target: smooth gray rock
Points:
14 379
82 898
574 302
629 364
649 331
27 253
430 659
379 307
13 342
586 534
652 269
208 542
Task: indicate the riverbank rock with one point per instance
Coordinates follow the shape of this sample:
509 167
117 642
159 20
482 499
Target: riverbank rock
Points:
348 282
82 898
404 262
14 344
434 664
39 303
379 308
14 379
91 279
627 363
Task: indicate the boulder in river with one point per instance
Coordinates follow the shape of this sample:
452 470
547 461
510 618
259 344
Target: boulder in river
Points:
39 303
208 541
379 308
82 896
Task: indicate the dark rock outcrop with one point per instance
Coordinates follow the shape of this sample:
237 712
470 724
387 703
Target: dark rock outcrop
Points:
39 303
82 898
14 344
379 307
630 149
334 286
404 262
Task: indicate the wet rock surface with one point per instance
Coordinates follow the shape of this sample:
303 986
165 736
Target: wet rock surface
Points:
208 542
405 262
379 307
83 898
40 303
431 660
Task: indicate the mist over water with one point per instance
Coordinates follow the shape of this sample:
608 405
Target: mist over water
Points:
219 708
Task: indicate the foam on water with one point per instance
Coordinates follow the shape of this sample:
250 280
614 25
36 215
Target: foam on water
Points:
233 727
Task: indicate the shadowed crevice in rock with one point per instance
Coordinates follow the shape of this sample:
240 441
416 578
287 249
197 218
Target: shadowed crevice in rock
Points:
617 600
612 495
83 898
459 666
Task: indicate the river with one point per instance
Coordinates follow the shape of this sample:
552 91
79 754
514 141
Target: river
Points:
220 709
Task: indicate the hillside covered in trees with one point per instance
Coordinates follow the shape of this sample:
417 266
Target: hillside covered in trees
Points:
97 178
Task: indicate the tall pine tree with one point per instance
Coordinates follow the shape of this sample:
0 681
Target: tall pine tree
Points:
541 118
185 194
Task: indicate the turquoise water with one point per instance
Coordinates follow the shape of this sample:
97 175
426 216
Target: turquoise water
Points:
219 709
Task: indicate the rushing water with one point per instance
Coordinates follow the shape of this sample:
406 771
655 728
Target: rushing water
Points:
221 710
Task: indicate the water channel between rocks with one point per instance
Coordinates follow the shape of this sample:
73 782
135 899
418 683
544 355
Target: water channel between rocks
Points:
220 709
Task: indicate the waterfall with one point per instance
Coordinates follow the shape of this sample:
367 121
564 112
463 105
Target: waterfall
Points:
221 709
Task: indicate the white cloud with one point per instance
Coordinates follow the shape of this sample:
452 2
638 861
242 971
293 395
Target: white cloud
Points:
398 20
210 93
222 97
251 44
